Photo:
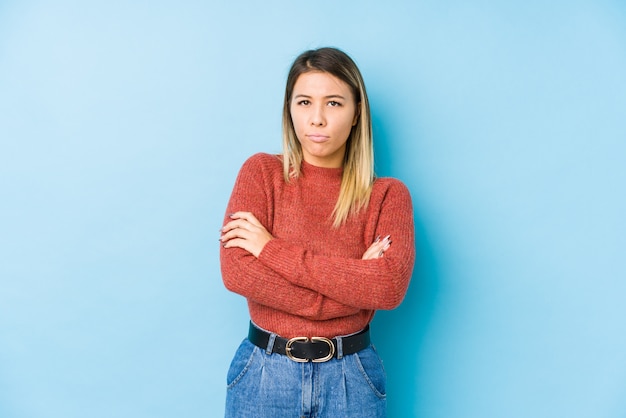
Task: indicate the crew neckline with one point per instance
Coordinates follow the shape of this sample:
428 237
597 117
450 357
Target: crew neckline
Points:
309 169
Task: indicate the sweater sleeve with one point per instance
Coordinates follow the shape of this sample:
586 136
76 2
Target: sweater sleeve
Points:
365 284
242 273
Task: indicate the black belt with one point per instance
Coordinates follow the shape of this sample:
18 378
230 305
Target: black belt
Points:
315 349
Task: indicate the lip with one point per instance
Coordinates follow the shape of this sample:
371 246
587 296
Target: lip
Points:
317 137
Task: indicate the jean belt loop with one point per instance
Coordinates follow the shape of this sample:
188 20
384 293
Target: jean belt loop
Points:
339 348
270 344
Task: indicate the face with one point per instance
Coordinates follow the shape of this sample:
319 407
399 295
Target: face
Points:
323 112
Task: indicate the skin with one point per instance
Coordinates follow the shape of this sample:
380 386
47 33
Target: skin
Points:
323 111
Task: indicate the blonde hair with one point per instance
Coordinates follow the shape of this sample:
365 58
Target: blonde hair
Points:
358 163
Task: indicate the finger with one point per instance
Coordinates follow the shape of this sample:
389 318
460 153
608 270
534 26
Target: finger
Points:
235 243
376 245
372 252
238 214
248 216
379 244
236 233
378 248
382 251
380 239
237 223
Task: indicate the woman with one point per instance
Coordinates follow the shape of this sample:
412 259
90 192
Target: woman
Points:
307 239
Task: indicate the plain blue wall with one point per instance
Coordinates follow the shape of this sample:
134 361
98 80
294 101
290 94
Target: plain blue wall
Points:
123 125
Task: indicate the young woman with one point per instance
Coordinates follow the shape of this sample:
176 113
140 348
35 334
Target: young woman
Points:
316 244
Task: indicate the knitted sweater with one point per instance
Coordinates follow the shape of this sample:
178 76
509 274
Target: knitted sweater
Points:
310 279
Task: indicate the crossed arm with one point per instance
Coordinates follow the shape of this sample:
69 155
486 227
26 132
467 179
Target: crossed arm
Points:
243 237
246 232
285 276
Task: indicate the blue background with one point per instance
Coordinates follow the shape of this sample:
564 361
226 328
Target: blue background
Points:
123 125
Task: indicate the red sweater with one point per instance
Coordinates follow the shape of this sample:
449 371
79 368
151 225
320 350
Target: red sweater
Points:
310 279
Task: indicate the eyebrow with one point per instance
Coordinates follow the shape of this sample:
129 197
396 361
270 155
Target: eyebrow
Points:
332 96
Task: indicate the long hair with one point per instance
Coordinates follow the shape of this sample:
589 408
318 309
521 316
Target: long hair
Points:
358 164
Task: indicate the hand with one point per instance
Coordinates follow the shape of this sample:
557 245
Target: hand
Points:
377 249
245 231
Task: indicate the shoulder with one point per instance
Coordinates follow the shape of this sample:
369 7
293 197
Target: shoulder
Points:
263 160
262 164
261 171
388 191
386 185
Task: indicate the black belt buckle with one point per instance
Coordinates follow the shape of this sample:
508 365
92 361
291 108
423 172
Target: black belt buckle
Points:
289 348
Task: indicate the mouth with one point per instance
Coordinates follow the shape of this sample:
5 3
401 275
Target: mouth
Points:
317 137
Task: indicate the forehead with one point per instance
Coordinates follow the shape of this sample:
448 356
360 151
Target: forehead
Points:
318 83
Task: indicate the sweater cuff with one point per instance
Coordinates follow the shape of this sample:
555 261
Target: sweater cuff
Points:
283 258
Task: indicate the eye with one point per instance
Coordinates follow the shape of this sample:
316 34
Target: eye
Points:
303 102
334 103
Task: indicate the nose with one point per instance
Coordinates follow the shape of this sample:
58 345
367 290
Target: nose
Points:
317 116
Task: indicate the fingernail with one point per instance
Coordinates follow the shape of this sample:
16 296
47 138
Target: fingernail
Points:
377 239
386 238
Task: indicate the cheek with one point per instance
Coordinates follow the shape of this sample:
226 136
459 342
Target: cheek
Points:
296 120
347 124
298 127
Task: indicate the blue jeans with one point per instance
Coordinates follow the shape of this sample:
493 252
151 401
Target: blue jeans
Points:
262 385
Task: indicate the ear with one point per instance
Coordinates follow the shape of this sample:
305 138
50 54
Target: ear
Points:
357 113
